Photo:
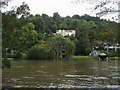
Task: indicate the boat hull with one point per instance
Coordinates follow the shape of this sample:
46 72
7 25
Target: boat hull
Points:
103 56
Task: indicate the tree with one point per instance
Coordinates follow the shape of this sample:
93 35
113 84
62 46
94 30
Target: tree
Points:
4 3
101 7
66 23
38 22
63 26
20 12
76 17
82 46
12 25
57 19
8 32
62 47
20 40
83 35
50 24
74 24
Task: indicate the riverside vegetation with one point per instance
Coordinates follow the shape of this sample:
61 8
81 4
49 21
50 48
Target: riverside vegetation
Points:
32 36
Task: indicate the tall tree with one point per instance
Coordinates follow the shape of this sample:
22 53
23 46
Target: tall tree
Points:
57 19
62 47
38 22
20 12
50 24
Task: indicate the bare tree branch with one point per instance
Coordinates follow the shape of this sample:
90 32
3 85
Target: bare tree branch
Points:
103 6
4 3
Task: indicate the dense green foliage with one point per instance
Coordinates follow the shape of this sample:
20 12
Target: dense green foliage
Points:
38 52
62 47
57 47
34 34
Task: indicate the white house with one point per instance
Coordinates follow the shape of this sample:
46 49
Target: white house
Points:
66 32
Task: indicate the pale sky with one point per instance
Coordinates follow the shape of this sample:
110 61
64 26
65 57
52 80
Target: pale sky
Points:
63 7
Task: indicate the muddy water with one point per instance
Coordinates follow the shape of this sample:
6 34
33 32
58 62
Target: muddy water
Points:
62 74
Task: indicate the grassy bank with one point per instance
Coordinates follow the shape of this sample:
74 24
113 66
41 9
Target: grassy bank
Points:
90 57
114 58
82 57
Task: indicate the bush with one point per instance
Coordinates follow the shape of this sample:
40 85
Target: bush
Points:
57 48
112 53
87 51
17 55
38 52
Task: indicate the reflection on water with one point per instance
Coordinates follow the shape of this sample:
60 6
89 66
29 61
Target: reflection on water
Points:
62 74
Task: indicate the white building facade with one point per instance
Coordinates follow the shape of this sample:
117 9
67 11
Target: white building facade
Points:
66 32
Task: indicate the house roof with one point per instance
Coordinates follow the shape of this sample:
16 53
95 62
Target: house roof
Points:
99 42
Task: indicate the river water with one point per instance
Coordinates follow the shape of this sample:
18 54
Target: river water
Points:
62 74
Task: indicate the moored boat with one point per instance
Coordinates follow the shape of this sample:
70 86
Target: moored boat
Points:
102 56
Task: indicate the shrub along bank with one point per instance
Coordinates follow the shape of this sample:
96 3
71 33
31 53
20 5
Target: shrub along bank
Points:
57 48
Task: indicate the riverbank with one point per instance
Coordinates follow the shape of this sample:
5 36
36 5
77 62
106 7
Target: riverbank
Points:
114 58
82 57
90 57
74 58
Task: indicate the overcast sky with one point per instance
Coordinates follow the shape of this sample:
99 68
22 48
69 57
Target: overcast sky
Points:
63 7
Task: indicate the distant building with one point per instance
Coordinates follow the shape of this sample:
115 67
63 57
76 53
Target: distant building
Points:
99 42
66 32
112 47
